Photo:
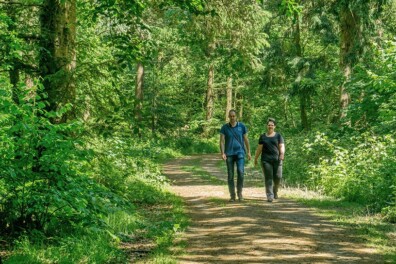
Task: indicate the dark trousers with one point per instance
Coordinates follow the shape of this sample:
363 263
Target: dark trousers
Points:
240 164
272 177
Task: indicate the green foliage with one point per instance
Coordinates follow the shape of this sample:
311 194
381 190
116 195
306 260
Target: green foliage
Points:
92 174
80 191
374 87
360 169
289 7
297 161
389 213
90 248
354 167
42 168
194 144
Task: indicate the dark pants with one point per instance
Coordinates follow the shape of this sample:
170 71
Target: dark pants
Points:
272 177
240 163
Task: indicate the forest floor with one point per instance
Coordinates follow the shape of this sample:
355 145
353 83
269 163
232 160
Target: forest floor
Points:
254 230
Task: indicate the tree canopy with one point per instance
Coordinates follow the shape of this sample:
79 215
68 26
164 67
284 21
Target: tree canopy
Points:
92 91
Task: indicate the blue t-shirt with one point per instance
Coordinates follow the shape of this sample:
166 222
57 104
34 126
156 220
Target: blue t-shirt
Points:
233 146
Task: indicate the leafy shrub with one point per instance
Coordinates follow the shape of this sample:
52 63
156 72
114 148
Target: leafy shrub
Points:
301 152
389 214
363 172
194 145
42 168
375 79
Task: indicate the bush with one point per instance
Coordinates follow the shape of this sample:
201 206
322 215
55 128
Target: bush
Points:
362 172
389 214
42 165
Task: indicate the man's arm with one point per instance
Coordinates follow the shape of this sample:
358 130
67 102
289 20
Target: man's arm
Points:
222 143
246 140
258 152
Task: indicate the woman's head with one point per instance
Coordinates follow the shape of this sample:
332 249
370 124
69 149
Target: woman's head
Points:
271 124
271 120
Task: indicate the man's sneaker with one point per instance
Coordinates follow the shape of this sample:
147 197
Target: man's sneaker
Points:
232 200
240 198
275 196
270 200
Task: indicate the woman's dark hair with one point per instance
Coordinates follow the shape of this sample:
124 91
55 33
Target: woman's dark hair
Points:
271 120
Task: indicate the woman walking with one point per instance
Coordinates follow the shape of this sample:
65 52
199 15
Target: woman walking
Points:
272 149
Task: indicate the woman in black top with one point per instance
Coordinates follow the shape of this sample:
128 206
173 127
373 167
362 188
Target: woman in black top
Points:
272 149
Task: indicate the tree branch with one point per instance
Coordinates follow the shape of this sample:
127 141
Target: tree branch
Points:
28 37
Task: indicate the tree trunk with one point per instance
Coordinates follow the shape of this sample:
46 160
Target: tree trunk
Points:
58 54
209 94
29 83
139 97
14 71
240 110
285 109
229 97
303 113
301 72
297 34
14 80
351 35
153 117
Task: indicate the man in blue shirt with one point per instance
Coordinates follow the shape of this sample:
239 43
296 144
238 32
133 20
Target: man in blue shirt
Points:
234 143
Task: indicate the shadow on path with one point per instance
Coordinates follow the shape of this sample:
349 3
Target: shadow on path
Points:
256 231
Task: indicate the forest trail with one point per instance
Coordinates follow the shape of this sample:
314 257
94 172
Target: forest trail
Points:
254 231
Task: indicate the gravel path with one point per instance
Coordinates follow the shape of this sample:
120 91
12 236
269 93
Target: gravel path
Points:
254 231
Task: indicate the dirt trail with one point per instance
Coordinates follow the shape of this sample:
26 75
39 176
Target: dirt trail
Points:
255 231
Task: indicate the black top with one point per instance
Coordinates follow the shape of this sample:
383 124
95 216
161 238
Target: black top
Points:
270 146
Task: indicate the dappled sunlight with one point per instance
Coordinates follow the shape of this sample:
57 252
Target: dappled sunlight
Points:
255 231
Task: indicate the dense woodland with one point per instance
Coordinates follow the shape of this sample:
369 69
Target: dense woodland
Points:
96 94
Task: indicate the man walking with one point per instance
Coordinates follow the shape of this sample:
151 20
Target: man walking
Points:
234 143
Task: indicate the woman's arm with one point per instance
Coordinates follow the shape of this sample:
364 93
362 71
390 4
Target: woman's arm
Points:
281 148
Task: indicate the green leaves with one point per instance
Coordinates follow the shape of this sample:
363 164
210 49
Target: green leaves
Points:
376 80
42 167
290 7
358 169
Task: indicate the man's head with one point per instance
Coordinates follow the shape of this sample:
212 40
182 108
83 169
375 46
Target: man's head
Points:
232 115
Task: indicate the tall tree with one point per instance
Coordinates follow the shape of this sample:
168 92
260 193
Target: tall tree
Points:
300 69
357 21
230 37
139 97
14 71
210 94
58 54
350 47
229 96
18 41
